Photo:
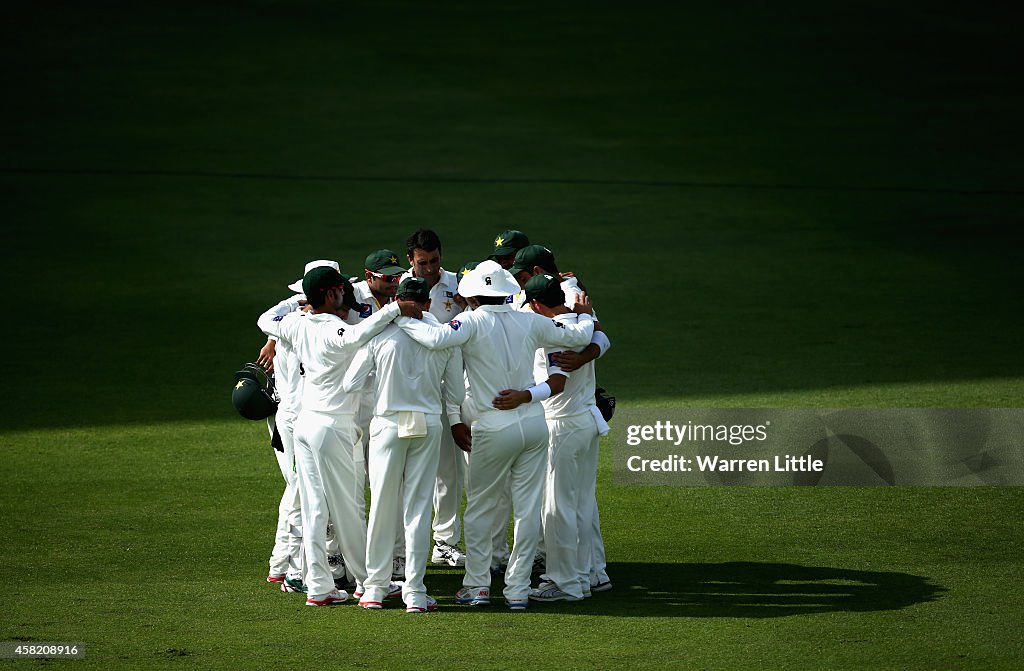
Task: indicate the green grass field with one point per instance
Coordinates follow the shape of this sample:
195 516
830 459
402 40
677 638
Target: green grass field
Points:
816 204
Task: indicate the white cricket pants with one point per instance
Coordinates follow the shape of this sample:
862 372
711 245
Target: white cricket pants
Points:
517 452
287 556
568 532
331 475
402 472
451 473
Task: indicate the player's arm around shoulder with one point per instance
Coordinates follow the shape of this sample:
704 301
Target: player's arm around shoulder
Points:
270 321
340 336
440 336
552 333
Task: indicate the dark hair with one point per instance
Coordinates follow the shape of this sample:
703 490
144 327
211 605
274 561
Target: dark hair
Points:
318 298
492 300
424 239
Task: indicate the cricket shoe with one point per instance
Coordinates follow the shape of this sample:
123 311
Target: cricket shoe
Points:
293 585
540 564
428 606
332 599
474 596
604 586
275 578
447 554
398 568
548 591
394 589
517 604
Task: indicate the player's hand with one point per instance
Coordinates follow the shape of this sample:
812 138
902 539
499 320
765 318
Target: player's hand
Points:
583 306
266 357
568 361
463 436
460 301
410 309
509 399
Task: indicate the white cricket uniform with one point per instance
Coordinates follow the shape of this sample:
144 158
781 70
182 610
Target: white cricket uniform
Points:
498 344
569 503
402 469
328 458
286 558
597 561
451 467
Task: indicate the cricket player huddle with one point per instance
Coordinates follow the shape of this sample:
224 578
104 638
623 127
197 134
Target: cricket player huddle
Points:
428 381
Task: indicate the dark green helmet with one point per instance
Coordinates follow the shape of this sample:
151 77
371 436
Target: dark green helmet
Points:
253 396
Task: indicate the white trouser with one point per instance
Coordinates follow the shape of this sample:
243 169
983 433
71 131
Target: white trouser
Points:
517 452
402 472
499 540
367 401
331 474
451 472
287 556
567 520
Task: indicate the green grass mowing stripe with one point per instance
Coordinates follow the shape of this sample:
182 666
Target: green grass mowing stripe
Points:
150 564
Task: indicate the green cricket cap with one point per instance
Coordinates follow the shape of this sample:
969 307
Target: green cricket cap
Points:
319 281
414 289
544 288
466 267
509 242
384 261
533 255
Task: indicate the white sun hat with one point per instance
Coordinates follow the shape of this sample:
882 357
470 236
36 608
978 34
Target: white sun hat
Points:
296 286
488 279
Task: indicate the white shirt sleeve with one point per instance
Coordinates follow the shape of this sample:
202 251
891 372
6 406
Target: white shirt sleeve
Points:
602 341
558 334
270 321
357 335
453 334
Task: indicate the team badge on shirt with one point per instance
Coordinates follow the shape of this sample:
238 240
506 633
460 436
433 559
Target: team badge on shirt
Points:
455 324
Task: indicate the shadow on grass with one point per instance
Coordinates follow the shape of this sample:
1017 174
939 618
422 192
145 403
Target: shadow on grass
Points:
731 589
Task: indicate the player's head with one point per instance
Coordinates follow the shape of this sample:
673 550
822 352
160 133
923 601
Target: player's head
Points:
424 251
506 245
325 288
533 260
382 272
488 284
415 289
545 295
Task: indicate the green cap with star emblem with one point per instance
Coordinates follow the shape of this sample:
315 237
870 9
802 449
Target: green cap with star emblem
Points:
385 262
533 255
466 267
509 242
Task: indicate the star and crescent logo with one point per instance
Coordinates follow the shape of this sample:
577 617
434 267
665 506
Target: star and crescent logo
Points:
394 260
241 383
499 241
